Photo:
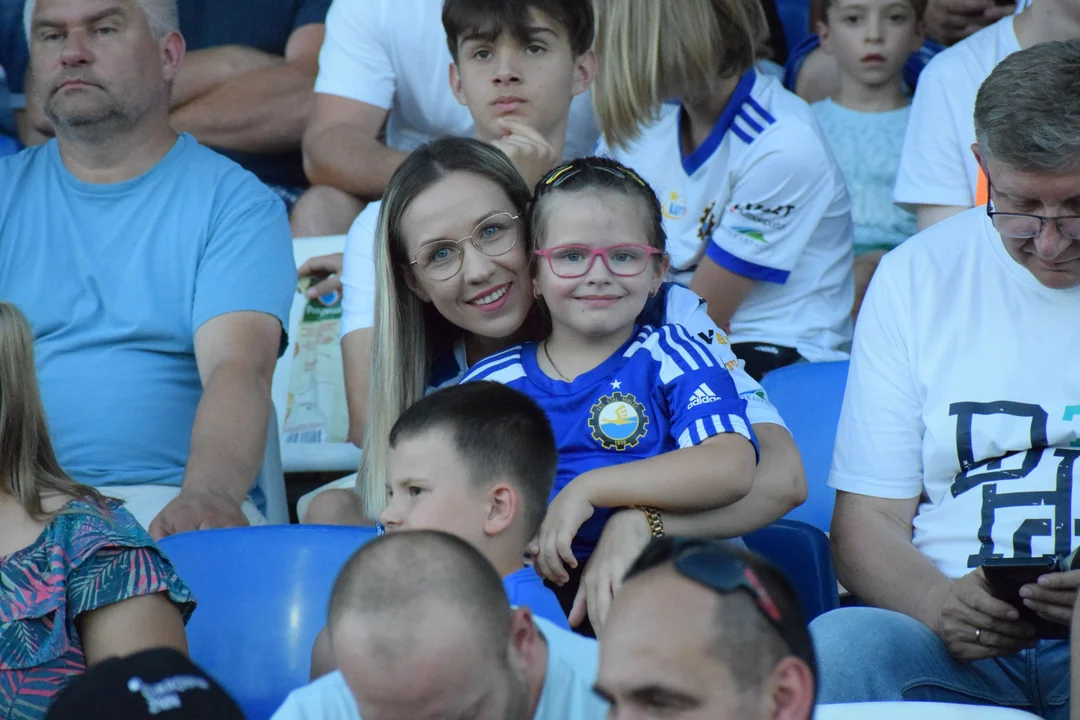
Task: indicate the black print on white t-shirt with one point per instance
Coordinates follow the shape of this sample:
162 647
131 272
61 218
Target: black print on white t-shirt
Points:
995 495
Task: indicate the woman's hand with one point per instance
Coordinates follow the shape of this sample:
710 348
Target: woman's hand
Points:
565 516
624 536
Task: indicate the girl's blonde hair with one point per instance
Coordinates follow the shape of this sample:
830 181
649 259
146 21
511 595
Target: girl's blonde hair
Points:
29 470
407 331
652 51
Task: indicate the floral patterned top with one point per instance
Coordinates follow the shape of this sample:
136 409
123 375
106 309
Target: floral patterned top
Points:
81 561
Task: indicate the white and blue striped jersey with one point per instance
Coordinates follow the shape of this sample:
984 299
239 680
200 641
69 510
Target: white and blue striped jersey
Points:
661 391
762 197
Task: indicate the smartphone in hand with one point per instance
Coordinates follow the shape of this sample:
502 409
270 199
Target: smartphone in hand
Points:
1007 575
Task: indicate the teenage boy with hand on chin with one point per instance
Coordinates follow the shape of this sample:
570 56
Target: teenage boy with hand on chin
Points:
516 66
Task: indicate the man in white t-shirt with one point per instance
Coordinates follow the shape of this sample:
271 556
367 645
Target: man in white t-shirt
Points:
938 177
736 648
960 430
421 628
384 63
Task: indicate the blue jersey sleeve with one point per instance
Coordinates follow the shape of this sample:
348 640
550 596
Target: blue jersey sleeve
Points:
698 391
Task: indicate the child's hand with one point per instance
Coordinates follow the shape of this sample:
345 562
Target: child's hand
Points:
565 516
527 149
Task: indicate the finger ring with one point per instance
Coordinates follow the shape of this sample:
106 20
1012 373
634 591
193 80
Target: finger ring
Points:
978 635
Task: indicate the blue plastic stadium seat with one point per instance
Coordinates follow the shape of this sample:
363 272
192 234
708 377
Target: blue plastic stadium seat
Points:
262 595
8 145
809 397
801 552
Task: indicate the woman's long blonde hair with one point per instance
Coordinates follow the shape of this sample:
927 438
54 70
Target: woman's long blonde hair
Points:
652 51
29 470
407 331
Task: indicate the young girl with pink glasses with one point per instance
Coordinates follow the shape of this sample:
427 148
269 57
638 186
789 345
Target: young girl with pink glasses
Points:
644 415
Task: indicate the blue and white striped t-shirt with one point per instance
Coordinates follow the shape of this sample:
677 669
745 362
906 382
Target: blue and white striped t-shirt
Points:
661 391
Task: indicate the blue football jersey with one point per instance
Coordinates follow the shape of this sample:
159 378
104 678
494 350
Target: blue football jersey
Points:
661 391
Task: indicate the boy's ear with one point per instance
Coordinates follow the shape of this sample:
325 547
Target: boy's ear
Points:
824 38
584 71
455 85
502 509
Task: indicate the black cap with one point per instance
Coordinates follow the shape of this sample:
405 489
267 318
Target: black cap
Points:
160 684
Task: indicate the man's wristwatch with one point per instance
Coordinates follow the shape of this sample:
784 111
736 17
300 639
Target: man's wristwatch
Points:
652 516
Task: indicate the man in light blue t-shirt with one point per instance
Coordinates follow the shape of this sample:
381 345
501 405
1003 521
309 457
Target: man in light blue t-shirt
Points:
157 275
421 628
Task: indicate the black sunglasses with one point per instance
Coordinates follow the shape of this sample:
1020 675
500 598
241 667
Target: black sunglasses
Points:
711 563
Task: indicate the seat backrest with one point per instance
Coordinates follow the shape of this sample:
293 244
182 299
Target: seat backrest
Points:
8 145
262 595
801 552
809 397
921 710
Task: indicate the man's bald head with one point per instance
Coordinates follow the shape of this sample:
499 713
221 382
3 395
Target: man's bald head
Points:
421 628
395 579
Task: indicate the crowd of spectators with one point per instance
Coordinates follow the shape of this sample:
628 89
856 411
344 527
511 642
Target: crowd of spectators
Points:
578 234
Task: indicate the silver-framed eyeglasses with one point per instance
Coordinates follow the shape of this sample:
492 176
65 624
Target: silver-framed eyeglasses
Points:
1024 226
574 261
494 236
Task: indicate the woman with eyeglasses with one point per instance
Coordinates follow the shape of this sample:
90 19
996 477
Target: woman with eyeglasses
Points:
455 205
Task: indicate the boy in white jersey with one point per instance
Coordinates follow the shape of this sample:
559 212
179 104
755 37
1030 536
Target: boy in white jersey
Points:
756 210
865 119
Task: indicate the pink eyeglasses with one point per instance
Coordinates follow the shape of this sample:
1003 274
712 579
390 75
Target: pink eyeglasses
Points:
574 261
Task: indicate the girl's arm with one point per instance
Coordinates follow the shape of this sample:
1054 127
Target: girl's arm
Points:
779 487
131 626
718 472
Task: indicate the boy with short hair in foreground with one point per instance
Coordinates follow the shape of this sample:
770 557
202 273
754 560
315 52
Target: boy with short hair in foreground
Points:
477 461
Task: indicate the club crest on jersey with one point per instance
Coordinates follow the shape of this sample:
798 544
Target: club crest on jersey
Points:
675 207
618 421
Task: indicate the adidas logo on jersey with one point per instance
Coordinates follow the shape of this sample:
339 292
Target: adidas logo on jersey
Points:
702 396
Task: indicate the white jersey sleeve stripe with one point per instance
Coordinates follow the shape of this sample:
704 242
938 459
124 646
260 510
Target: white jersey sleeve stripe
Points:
503 375
745 117
487 366
707 358
762 112
684 439
674 350
740 134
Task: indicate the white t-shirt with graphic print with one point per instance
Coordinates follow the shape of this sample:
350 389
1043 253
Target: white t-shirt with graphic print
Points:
964 390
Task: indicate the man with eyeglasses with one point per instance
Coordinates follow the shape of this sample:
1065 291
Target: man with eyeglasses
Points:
702 629
960 433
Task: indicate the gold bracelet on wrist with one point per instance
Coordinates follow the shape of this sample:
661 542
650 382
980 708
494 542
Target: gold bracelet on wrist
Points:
652 516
